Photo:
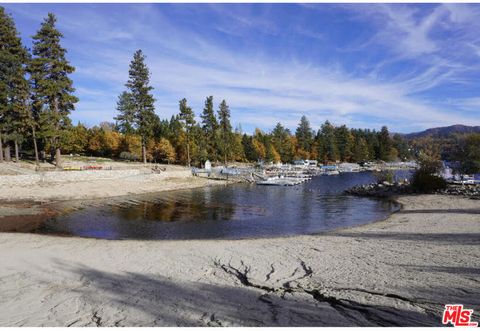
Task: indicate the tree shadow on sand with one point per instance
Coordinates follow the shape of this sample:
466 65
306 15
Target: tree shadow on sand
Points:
440 238
472 211
135 299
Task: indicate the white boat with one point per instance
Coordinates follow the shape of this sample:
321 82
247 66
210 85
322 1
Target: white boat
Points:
276 181
332 173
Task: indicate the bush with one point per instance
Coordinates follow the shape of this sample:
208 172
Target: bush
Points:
385 176
426 182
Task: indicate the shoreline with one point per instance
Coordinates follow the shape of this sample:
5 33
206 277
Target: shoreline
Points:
397 272
100 189
50 212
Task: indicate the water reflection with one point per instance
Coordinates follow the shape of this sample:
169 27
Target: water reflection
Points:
235 211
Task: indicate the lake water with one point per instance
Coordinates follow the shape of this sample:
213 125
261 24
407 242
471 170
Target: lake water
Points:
221 212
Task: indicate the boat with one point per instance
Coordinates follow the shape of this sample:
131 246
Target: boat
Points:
332 173
281 181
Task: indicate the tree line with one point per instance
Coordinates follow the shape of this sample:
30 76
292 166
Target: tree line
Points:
37 97
462 150
172 141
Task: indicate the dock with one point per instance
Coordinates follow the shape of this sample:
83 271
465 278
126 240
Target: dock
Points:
285 181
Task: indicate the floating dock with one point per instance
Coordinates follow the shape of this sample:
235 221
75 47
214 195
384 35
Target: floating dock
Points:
286 181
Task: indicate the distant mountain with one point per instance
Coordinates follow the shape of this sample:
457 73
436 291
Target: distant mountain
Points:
443 131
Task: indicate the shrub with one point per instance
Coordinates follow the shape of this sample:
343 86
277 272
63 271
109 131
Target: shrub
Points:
385 176
425 179
426 182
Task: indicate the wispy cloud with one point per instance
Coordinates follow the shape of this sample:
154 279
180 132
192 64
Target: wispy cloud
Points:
264 69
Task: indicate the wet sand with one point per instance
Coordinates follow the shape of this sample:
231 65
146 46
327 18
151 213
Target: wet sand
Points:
400 271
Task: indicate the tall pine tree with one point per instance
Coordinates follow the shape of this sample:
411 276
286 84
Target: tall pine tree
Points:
210 127
53 97
283 143
15 119
304 135
384 144
328 148
187 119
136 106
225 129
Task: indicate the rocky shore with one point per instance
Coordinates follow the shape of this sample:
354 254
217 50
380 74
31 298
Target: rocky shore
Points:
387 190
381 190
470 191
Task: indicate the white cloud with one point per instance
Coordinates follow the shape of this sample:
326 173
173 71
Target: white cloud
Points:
261 89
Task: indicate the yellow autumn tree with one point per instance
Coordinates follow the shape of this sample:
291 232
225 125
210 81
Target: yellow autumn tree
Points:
163 151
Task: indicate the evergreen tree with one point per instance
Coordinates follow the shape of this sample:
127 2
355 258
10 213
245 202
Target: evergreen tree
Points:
248 148
384 144
15 117
401 146
225 129
344 143
188 121
328 147
237 146
281 140
53 91
136 105
125 121
210 127
360 150
304 134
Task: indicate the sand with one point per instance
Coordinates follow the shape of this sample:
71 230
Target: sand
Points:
400 271
147 181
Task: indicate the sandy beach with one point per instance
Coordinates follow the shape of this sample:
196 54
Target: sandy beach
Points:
22 183
400 271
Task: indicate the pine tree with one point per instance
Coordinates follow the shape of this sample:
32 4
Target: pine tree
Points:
344 143
15 117
210 127
360 150
225 129
329 150
248 148
53 97
384 144
401 146
125 121
281 140
237 146
188 121
304 135
137 105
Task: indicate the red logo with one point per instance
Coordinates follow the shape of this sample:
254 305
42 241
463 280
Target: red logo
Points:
457 316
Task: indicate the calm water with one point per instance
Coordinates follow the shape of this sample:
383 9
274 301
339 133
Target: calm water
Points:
234 211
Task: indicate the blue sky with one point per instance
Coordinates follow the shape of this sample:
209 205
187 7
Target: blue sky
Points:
410 67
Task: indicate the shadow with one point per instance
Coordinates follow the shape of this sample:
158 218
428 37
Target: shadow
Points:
467 271
441 211
440 238
137 299
134 299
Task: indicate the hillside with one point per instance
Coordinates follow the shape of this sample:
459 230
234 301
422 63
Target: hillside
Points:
443 131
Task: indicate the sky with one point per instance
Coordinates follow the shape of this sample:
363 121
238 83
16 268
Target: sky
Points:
407 66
